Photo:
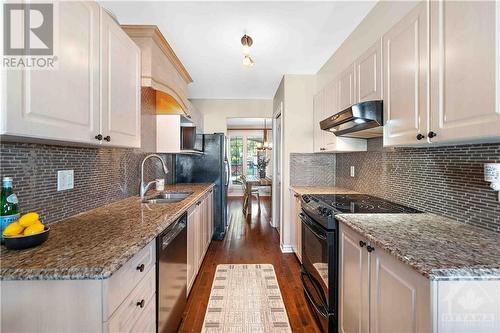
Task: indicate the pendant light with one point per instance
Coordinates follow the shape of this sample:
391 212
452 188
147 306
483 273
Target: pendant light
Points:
247 42
266 145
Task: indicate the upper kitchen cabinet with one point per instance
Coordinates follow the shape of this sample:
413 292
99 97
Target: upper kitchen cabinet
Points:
346 90
405 52
465 71
90 97
161 68
445 90
120 79
61 104
369 74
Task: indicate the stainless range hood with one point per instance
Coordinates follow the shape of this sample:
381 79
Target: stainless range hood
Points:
362 120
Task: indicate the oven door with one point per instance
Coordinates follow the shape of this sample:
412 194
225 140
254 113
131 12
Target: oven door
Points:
315 261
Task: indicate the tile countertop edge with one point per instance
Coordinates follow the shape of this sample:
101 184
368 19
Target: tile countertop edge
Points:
97 273
443 274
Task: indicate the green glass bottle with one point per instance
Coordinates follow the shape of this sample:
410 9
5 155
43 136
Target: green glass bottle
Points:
9 209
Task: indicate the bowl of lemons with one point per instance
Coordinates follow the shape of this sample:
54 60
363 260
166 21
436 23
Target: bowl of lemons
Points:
26 232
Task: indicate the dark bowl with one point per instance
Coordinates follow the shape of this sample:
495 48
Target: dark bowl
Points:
24 242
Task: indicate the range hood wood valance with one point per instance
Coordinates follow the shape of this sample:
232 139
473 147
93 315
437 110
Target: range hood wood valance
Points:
161 68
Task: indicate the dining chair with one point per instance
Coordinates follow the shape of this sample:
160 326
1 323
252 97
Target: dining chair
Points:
255 192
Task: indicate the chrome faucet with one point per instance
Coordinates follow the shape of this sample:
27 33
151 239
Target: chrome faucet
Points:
145 188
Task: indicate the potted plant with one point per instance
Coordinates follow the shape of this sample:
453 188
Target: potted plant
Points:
261 166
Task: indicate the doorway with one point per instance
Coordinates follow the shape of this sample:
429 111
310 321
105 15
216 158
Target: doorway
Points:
250 143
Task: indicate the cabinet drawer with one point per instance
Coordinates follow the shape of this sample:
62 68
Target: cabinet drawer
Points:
120 284
147 321
128 313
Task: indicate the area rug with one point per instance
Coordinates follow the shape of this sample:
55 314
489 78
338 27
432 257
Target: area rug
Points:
245 299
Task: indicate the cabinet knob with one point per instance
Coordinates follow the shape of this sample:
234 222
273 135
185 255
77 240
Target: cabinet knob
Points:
140 304
322 149
431 134
362 244
107 138
98 137
420 136
370 249
140 268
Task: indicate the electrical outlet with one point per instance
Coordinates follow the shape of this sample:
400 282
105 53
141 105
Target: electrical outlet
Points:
65 180
353 173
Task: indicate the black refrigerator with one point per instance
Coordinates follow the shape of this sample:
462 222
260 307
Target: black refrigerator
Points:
210 166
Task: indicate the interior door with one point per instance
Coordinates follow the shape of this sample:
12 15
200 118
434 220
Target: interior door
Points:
121 85
276 192
465 75
405 79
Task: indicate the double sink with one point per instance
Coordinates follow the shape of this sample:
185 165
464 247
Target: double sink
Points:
167 197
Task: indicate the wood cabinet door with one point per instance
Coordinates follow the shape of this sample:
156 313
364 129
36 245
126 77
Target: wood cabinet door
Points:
405 52
120 85
368 74
191 248
465 70
354 283
397 291
346 95
62 103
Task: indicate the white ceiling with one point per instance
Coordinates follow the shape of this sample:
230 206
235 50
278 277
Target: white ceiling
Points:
249 122
289 38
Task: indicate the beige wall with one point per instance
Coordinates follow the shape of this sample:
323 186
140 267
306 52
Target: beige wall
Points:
216 111
296 93
378 21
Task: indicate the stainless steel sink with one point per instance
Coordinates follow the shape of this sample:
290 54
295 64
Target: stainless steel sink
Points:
167 197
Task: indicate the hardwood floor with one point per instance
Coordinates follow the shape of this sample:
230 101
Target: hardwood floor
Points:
250 240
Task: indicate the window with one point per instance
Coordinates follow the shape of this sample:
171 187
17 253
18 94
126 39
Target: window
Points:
251 156
236 158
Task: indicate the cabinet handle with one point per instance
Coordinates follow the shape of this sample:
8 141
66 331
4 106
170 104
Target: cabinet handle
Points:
98 137
322 149
362 244
107 138
140 304
140 268
431 134
420 136
198 203
296 195
370 249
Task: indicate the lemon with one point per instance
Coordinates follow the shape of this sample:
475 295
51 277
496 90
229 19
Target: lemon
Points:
28 219
34 229
13 229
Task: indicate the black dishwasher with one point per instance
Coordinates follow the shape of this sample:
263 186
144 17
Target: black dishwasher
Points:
171 275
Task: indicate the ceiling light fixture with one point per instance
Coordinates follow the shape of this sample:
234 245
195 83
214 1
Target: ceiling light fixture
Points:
247 42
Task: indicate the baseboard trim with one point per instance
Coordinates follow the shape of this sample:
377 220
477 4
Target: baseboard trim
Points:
286 248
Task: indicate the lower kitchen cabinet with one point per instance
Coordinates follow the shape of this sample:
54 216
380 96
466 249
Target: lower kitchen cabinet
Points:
296 224
378 293
199 234
125 302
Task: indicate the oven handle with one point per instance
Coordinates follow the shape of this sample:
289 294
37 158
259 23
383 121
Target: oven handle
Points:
319 308
305 219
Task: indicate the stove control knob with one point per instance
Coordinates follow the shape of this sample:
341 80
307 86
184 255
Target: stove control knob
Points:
320 210
329 212
306 198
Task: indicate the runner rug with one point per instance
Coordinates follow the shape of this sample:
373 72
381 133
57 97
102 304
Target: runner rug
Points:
245 298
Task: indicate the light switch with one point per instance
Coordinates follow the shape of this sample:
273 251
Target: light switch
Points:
353 174
65 180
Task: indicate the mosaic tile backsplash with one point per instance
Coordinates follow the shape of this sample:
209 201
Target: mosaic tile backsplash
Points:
447 181
101 176
312 169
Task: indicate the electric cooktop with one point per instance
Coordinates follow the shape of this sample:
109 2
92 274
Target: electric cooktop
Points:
361 203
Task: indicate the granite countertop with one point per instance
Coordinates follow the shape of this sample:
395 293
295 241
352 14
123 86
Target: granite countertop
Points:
436 247
321 190
95 244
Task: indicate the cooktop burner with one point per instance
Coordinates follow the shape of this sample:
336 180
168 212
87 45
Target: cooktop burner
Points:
362 203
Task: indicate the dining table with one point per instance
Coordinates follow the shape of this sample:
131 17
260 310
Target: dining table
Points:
250 181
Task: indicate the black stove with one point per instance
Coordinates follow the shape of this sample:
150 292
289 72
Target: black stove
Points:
320 255
323 207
